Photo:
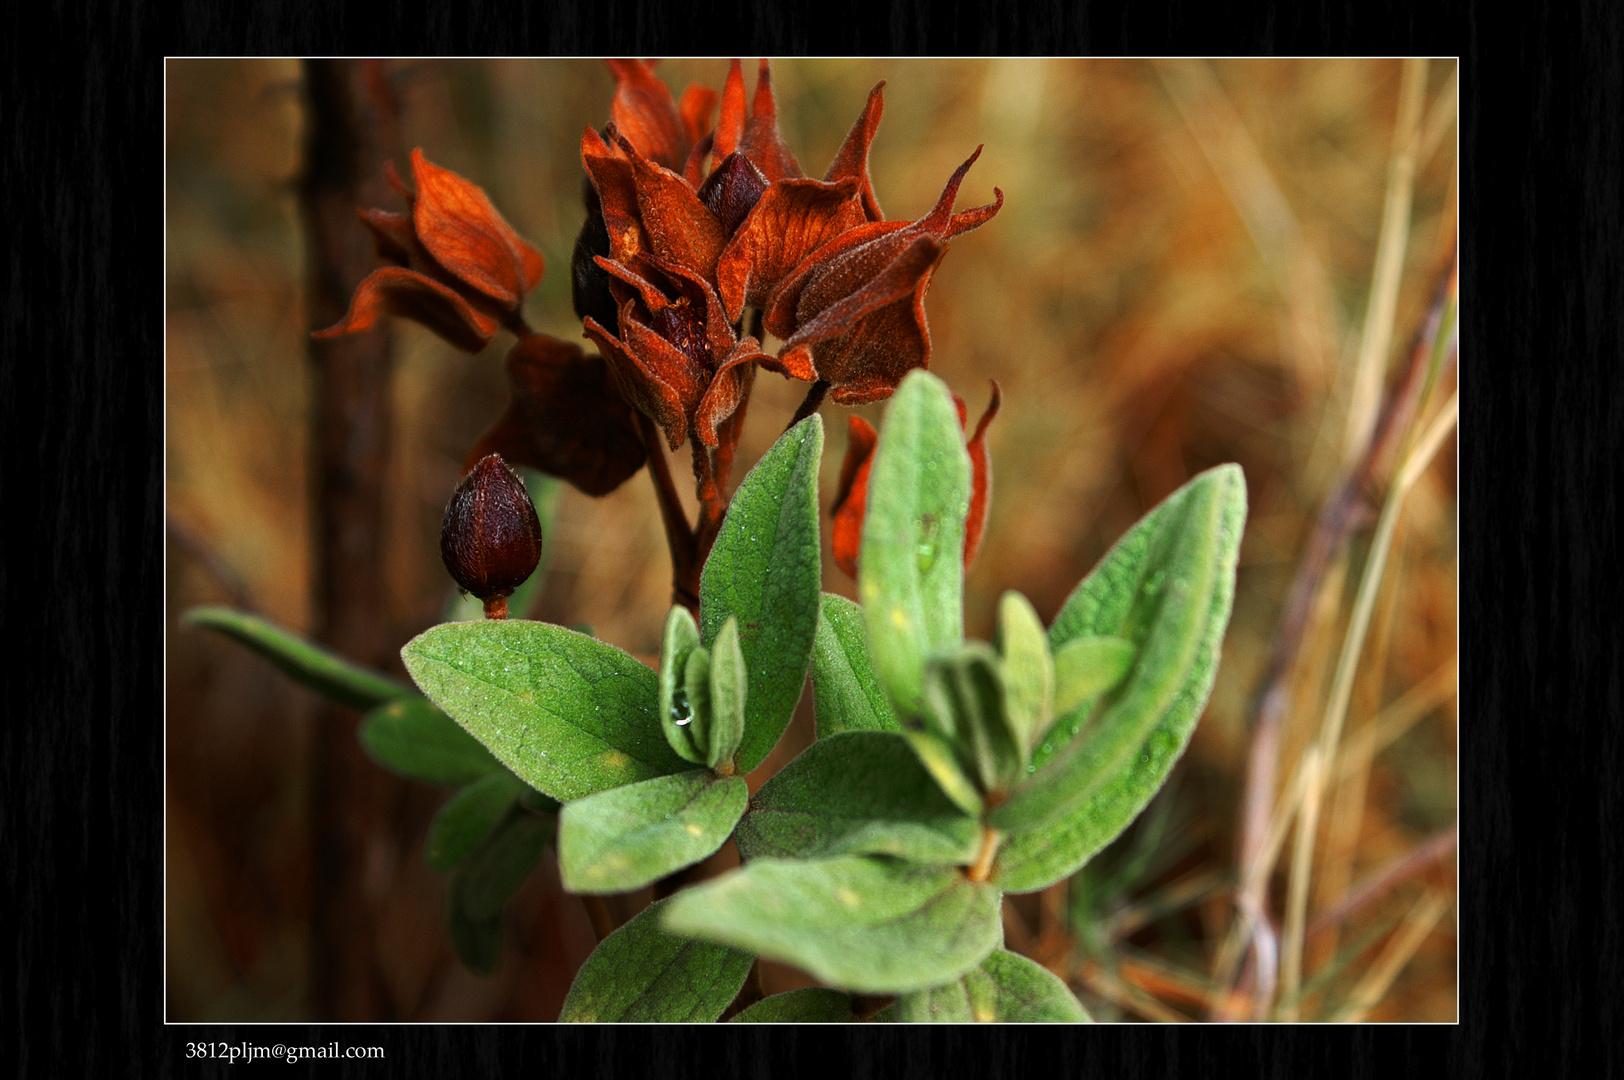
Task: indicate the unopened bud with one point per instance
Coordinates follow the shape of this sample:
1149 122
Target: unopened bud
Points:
491 539
732 191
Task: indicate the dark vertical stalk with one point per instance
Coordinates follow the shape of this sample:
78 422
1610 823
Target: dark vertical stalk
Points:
350 132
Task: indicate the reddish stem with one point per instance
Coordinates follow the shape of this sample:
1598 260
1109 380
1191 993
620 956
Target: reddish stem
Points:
679 535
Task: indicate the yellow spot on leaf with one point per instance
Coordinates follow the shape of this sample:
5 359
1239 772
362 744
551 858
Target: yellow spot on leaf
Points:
984 1017
898 619
847 897
693 830
614 759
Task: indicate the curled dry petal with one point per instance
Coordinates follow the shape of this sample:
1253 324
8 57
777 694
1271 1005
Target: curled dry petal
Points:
565 418
456 222
411 295
654 376
761 142
643 111
679 227
852 160
792 219
851 497
730 124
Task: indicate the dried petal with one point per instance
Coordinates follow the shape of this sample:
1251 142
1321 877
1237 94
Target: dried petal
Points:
851 497
761 142
852 160
459 227
411 295
975 523
642 111
565 418
791 221
679 227
653 377
730 124
490 540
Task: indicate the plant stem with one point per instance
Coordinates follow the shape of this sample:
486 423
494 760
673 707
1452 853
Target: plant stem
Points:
679 535
809 404
982 870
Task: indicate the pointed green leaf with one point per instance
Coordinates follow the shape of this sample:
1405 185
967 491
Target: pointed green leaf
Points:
307 663
863 923
910 564
643 974
569 714
1029 672
857 793
847 695
764 571
964 704
676 711
808 1005
938 758
627 837
1005 988
729 686
412 738
1168 586
484 881
1087 667
696 683
469 816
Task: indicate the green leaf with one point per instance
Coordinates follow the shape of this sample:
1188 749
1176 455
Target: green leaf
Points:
808 1005
571 715
857 793
642 973
676 711
1006 988
764 570
1167 585
1029 672
469 816
321 669
910 564
696 684
484 881
937 756
624 838
863 923
1088 667
414 739
728 693
964 704
847 695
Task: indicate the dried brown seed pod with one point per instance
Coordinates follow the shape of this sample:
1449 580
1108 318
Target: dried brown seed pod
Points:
491 538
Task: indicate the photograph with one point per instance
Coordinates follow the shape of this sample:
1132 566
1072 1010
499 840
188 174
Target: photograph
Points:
791 540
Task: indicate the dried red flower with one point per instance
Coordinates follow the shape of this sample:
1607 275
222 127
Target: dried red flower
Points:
565 418
851 497
461 270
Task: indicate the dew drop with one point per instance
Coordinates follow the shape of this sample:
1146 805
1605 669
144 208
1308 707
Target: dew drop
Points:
681 713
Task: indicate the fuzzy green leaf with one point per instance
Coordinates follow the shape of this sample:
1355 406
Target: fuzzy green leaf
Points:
863 923
857 793
1168 586
642 973
412 738
624 838
1087 667
808 1005
469 816
910 563
940 760
964 705
765 571
847 695
729 686
484 881
1029 673
1005 988
676 711
569 714
307 663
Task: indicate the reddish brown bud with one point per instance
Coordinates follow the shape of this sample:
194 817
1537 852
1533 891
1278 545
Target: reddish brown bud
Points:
491 539
732 191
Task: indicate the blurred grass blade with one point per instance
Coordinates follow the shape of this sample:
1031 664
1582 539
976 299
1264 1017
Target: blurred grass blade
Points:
307 663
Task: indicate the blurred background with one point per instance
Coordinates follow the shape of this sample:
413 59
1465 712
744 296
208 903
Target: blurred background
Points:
1197 262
